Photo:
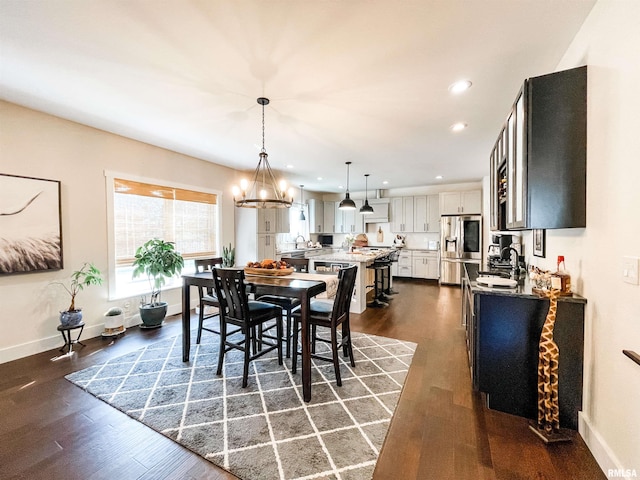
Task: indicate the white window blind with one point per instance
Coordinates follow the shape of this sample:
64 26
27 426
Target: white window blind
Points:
142 211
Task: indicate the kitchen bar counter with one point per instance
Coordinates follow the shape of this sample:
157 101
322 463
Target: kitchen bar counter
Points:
524 289
503 327
365 276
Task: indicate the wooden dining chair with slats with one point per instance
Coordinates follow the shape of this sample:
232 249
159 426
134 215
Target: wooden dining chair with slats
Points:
286 303
207 296
331 316
236 309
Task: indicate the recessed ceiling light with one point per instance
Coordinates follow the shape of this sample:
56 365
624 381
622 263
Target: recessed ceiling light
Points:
340 187
439 177
385 182
289 166
460 86
457 127
319 178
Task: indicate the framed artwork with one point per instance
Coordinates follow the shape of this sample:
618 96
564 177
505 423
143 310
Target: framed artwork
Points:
538 243
30 225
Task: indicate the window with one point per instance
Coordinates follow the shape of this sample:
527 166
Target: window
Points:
297 226
142 210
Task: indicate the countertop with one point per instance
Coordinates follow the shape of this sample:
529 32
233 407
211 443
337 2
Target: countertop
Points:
353 257
524 289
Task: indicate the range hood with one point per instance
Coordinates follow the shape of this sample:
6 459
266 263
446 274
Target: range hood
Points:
380 211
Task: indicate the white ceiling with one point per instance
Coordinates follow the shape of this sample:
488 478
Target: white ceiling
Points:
353 80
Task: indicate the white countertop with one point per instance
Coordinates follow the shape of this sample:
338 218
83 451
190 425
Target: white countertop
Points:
353 257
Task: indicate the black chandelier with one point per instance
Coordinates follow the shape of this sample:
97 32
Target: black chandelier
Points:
347 203
265 191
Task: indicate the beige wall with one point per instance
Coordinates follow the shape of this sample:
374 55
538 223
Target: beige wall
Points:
39 145
609 43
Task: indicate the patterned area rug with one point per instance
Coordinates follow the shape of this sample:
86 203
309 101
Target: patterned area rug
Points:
265 431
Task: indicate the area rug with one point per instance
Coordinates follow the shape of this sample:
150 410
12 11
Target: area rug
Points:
265 431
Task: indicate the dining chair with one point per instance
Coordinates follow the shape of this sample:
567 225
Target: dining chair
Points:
286 303
207 296
331 316
236 309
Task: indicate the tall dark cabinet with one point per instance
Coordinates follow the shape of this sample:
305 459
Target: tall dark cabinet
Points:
538 164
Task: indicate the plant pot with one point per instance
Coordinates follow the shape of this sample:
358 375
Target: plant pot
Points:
152 316
70 318
113 325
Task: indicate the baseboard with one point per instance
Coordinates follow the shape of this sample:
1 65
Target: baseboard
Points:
605 457
55 341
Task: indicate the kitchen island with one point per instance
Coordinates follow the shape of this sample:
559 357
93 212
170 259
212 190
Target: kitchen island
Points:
503 327
365 278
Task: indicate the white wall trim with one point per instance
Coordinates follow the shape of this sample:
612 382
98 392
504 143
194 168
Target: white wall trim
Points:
54 342
599 448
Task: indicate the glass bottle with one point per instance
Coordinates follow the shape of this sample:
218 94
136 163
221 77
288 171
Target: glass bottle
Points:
561 280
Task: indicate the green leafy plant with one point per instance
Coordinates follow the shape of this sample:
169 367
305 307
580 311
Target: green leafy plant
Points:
87 275
158 260
228 256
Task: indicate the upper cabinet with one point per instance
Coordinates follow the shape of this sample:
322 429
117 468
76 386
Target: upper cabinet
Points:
348 221
538 164
316 216
273 220
402 214
456 203
426 214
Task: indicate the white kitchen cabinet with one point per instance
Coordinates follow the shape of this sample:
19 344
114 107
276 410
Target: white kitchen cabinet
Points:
426 210
403 267
348 221
402 214
425 265
266 246
316 216
272 220
329 216
455 203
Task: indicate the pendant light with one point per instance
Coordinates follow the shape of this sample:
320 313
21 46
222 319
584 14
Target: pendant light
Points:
366 209
302 217
347 203
265 191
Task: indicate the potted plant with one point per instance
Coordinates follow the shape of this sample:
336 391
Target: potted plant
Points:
113 322
158 260
228 256
87 275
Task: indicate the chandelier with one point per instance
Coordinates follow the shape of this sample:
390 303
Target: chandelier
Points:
265 191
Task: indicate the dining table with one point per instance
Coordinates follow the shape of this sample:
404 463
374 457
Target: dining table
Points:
288 286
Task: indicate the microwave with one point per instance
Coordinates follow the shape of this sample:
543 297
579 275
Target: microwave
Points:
325 240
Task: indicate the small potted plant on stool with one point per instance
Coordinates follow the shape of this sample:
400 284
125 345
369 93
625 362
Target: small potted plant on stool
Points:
87 275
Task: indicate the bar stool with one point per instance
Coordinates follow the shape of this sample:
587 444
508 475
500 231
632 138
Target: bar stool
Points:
379 268
65 330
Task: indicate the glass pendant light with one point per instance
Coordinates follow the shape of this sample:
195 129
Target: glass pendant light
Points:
302 217
347 203
366 209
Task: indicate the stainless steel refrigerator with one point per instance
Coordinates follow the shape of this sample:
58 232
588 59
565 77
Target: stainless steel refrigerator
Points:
460 241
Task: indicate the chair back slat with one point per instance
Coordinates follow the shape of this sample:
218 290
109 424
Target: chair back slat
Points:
207 264
342 301
298 264
232 295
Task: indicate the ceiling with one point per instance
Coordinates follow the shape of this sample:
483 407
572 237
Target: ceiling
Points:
364 81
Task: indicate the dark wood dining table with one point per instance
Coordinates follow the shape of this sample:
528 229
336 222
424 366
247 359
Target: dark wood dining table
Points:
304 290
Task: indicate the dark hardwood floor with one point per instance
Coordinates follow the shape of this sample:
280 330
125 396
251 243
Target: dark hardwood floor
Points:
51 429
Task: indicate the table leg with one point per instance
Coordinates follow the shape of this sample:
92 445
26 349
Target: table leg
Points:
186 320
306 348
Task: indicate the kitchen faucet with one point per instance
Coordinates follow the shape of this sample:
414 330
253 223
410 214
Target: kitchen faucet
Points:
514 260
300 237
